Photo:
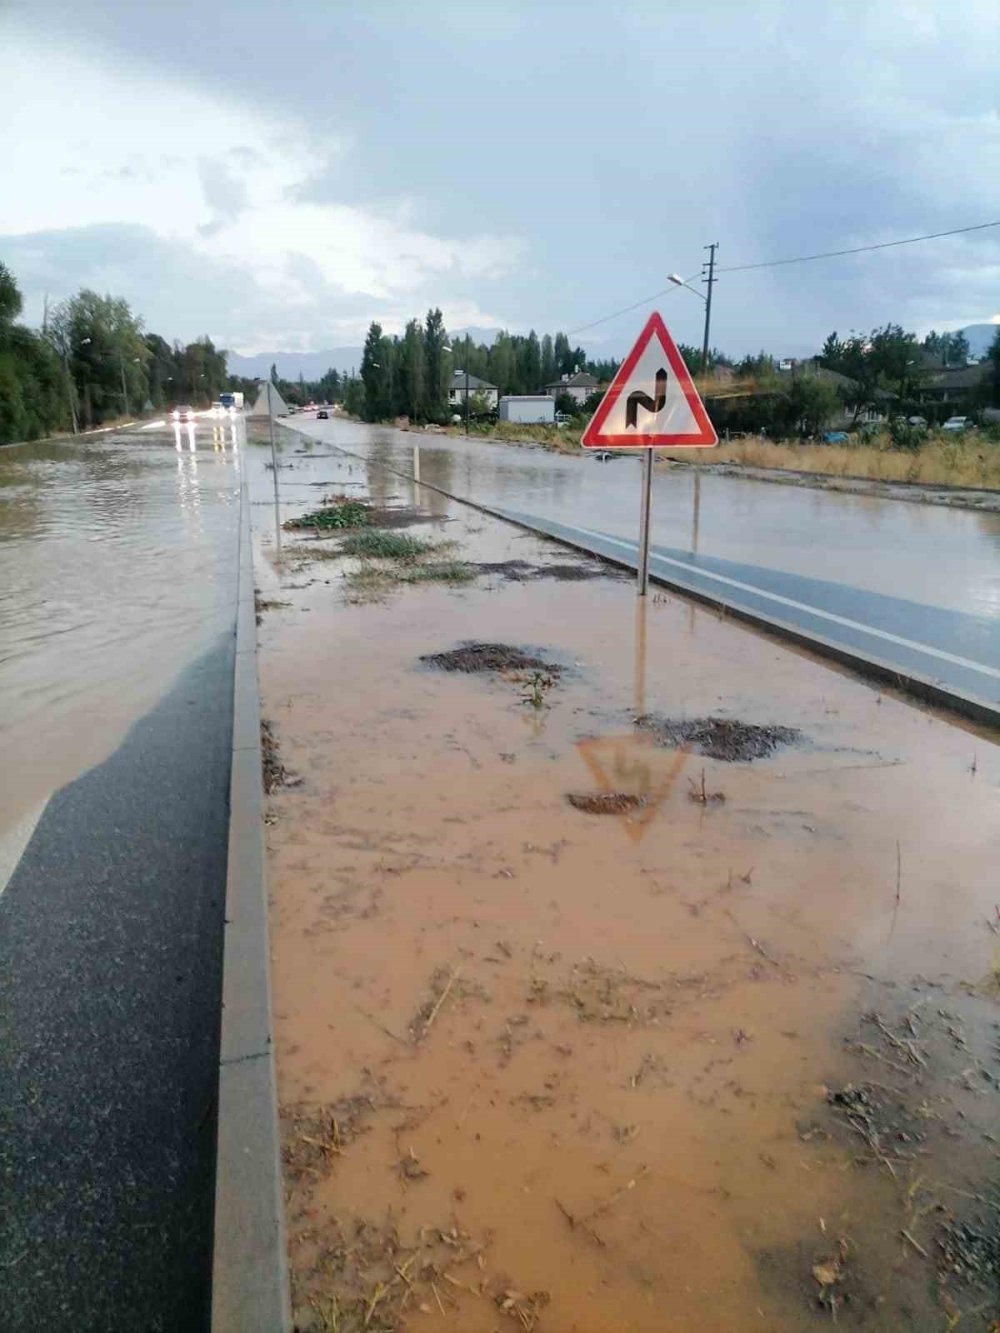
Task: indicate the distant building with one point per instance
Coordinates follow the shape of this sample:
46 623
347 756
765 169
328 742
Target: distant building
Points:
457 387
528 407
579 386
964 386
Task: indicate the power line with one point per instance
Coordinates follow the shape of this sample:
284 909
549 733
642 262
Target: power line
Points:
635 306
862 249
798 259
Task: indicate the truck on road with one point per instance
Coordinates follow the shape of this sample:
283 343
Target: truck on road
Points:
233 400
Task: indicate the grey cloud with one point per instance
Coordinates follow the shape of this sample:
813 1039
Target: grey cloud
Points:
179 292
224 191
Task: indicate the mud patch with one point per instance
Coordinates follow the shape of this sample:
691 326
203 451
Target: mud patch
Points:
718 737
402 517
605 803
476 657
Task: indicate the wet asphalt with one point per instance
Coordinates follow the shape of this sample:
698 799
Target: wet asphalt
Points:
111 932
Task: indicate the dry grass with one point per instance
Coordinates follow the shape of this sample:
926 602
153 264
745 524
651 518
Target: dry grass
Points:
970 461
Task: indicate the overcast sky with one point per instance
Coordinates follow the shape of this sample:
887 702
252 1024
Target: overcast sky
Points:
278 176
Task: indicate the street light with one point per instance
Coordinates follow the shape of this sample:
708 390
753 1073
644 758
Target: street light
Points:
710 280
678 281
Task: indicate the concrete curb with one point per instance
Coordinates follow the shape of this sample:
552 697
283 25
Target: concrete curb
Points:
250 1291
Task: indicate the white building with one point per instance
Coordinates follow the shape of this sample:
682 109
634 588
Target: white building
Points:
456 390
528 407
579 386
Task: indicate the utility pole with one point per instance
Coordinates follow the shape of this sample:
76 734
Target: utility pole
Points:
709 279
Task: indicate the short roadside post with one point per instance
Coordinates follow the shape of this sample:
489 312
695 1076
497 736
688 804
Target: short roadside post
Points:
651 404
274 469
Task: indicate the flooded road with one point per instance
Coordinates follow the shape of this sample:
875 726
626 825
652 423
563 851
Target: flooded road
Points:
947 558
582 1025
117 567
118 573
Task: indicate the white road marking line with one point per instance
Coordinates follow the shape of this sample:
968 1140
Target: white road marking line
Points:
14 841
804 606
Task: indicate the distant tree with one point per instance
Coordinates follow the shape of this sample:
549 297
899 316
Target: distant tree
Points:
376 374
437 367
593 402
548 368
329 387
412 388
994 358
34 394
10 300
603 370
502 370
952 349
354 396
565 402
530 363
562 355
812 401
102 342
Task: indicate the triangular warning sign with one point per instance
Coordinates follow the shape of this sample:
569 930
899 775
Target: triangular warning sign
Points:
652 400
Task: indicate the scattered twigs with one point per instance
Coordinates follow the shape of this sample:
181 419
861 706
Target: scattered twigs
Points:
915 1243
899 876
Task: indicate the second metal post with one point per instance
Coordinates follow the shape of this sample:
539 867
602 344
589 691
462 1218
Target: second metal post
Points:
647 490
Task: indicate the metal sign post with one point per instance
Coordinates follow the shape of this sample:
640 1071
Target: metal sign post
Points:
647 496
673 415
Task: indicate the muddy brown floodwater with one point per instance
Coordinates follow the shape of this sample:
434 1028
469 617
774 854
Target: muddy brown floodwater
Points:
718 1050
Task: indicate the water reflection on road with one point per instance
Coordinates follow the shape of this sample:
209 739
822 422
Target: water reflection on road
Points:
931 554
117 566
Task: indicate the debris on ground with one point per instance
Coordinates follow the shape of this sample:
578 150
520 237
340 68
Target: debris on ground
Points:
970 1253
698 792
520 571
266 604
718 737
474 657
605 803
273 771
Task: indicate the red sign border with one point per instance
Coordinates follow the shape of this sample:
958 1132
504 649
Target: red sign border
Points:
705 439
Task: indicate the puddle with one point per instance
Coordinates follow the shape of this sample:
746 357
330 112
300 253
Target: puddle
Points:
563 1071
718 737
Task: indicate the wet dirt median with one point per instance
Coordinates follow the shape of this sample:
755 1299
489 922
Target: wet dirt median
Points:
631 970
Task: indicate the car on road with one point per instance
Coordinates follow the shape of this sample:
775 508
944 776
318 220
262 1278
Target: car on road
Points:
183 413
322 415
916 421
957 423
